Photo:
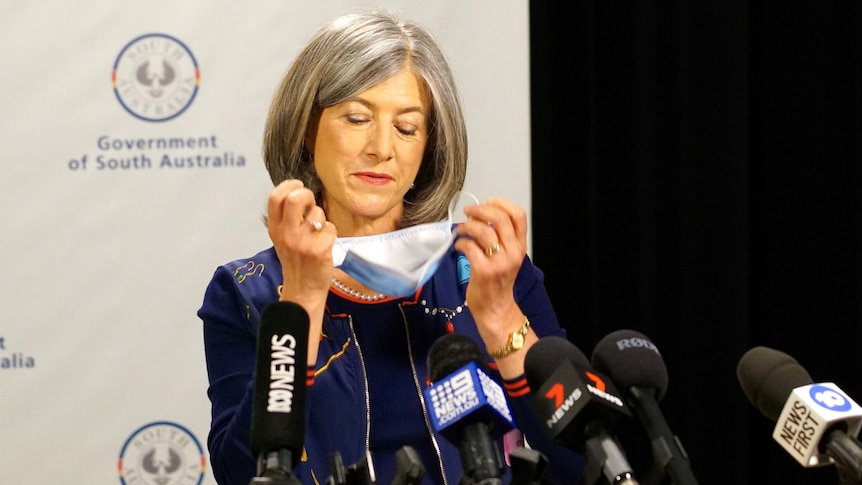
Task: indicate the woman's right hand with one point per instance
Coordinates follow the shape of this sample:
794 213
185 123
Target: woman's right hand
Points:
303 241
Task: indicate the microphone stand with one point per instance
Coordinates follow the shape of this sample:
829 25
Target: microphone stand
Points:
360 473
846 451
668 452
481 457
410 469
527 466
597 457
274 468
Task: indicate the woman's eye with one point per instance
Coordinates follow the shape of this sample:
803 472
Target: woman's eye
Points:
406 130
356 120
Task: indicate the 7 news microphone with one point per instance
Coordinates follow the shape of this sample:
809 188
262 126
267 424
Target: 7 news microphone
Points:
467 407
279 395
634 363
580 407
816 423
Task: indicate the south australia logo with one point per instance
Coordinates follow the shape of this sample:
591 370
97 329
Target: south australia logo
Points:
162 453
155 77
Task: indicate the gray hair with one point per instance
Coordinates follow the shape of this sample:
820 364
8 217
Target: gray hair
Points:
349 55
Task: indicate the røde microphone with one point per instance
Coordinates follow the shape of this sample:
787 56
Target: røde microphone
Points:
634 363
278 404
580 407
815 422
467 407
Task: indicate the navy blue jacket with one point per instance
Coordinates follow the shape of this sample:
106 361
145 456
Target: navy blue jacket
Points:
370 373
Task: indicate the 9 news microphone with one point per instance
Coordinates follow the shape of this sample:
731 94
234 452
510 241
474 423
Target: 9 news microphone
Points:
580 407
634 363
467 407
815 422
280 382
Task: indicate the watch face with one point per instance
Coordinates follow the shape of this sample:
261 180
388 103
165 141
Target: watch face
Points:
517 341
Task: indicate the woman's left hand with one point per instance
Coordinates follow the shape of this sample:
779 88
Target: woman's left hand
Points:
495 244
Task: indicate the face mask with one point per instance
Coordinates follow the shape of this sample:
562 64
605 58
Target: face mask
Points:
397 263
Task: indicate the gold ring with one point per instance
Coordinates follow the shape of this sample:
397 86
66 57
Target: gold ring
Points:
493 249
316 225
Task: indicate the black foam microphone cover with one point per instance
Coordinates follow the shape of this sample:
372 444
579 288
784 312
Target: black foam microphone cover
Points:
543 359
278 402
640 366
768 376
451 352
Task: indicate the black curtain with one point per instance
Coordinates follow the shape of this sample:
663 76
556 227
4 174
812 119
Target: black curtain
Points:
697 171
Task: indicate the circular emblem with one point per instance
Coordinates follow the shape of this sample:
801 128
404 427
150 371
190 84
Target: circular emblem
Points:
161 453
155 77
829 398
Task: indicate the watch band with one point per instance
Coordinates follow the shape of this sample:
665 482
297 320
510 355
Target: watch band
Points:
516 341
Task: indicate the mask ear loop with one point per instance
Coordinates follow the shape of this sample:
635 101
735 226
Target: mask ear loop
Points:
456 202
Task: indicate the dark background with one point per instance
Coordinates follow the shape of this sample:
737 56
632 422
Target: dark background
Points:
696 177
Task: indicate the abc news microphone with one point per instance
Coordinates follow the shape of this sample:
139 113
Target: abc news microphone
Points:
634 363
580 407
467 407
816 423
278 403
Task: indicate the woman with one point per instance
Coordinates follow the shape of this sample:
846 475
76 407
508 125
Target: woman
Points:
365 137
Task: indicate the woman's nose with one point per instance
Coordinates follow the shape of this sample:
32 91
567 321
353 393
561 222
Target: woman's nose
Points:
380 143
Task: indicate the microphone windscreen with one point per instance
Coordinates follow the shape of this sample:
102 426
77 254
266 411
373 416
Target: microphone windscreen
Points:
278 401
767 377
630 359
545 357
451 352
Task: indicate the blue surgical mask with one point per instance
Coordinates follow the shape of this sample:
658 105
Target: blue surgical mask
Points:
397 263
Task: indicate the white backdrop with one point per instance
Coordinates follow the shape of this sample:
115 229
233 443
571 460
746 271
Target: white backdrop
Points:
101 356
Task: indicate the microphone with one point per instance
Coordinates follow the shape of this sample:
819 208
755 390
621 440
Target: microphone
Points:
527 466
278 402
410 469
580 407
360 473
467 407
816 423
635 364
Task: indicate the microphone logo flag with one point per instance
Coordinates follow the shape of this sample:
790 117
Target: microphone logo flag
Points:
808 414
464 392
282 374
563 400
565 396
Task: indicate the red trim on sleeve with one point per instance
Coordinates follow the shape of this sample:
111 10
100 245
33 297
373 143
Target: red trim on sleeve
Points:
517 387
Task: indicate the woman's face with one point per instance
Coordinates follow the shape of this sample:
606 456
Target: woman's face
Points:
367 149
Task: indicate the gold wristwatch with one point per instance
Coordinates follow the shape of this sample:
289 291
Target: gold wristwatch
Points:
516 341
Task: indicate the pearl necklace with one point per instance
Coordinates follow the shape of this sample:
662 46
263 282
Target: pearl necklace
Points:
350 291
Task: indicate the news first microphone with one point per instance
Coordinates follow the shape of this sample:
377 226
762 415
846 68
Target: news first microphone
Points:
278 402
580 407
816 423
467 407
634 363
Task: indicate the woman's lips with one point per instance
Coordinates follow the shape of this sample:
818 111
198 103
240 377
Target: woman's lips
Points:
374 178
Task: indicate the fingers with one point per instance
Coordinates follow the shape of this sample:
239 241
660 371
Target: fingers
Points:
517 216
275 210
497 226
292 205
303 240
